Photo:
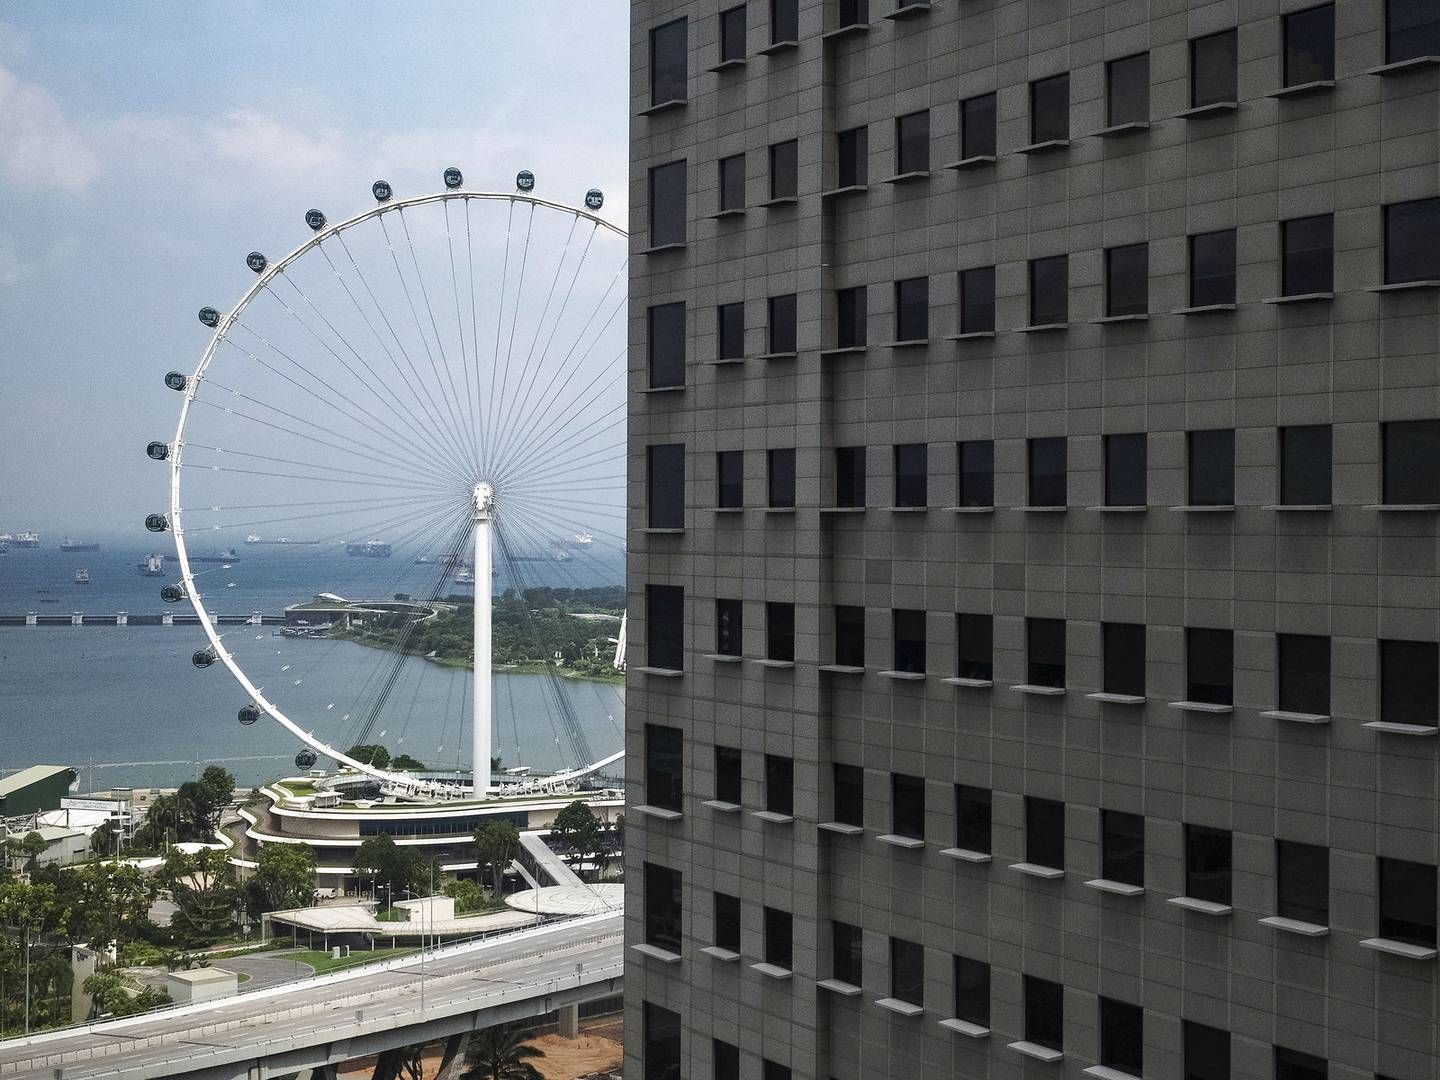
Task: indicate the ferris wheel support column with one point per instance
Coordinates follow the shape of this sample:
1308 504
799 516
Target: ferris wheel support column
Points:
484 497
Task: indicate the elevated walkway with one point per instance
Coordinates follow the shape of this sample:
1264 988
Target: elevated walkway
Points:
536 856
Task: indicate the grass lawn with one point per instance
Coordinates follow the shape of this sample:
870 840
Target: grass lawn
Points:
323 963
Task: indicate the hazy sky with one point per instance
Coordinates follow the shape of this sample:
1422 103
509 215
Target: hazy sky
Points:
145 148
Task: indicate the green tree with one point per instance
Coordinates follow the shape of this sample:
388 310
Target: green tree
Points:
501 1053
577 831
102 840
386 862
109 902
28 848
372 754
205 894
284 878
406 763
496 843
111 995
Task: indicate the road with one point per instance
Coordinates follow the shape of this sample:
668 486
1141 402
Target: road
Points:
326 1018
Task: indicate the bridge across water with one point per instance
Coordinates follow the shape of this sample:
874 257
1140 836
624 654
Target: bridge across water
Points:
124 618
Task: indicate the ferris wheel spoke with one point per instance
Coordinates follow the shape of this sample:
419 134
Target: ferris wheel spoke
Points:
416 504
468 411
568 453
486 436
514 319
546 513
545 434
313 465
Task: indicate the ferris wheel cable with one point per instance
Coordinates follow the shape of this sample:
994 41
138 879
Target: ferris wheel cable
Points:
474 328
437 485
543 436
572 454
485 447
469 411
575 467
307 502
604 539
311 517
297 476
514 316
376 480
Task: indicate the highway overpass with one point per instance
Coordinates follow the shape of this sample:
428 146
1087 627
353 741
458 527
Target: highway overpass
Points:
335 1018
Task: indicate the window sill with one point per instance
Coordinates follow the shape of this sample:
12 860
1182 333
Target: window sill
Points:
1204 112
908 343
840 827
1204 309
728 509
1039 691
720 215
1035 870
720 806
966 855
1107 320
843 669
842 509
1405 286
902 676
965 1027
720 361
778 355
1295 926
1298 508
1117 509
729 65
1042 328
1295 717
1202 706
662 532
1117 699
1118 130
1042 509
972 684
782 200
1044 146
726 955
970 509
848 189
972 335
677 388
1404 67
1398 948
1036 1051
660 672
773 817
909 843
839 986
1303 89
665 956
1301 298
1389 727
845 31
974 161
844 350
665 106
1105 1072
772 971
782 665
906 509
1404 508
1115 888
779 509
657 812
904 1008
908 11
661 249
1218 508
910 177
779 47
1203 907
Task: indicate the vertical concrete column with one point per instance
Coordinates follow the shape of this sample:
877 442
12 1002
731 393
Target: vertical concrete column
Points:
570 1022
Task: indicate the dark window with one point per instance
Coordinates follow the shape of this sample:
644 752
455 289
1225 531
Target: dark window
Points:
849 795
852 157
1212 467
1045 832
729 627
1410 682
664 767
1303 661
779 784
727 921
1307 257
1050 109
972 818
1046 466
907 805
976 461
779 631
732 34
1407 901
1122 848
726 1057
1207 1052
785 170
1412 240
977 300
779 930
662 907
854 12
665 485
1212 268
1210 666
662 1043
850 317
1302 882
1125 470
1127 280
667 344
1412 29
1213 69
730 478
972 991
773 1070
730 331
1310 45
781 477
727 774
850 476
1293 1065
912 309
909 629
1207 864
784 20
907 971
1305 465
1127 90
849 636
1411 455
669 54
665 627
782 324
1122 1036
911 470
667 204
977 126
732 182
1049 291
1045 652
975 650
847 952
1044 1013
1123 646
912 142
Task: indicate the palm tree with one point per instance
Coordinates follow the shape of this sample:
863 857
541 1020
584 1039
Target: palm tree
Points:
500 1053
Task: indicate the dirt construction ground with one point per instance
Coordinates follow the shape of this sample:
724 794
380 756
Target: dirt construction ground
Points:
598 1049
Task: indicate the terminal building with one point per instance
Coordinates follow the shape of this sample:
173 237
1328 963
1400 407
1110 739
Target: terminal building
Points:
1034 447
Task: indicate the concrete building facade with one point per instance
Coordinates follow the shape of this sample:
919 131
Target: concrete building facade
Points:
1034 582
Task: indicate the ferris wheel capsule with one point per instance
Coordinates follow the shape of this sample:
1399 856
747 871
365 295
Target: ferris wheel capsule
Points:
203 658
172 594
306 759
257 262
453 177
525 180
315 219
382 190
249 714
157 451
157 522
176 381
209 316
594 198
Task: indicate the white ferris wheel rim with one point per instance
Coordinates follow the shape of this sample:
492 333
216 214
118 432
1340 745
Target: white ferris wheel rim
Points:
177 453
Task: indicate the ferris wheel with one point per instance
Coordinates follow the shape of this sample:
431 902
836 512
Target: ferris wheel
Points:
418 406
